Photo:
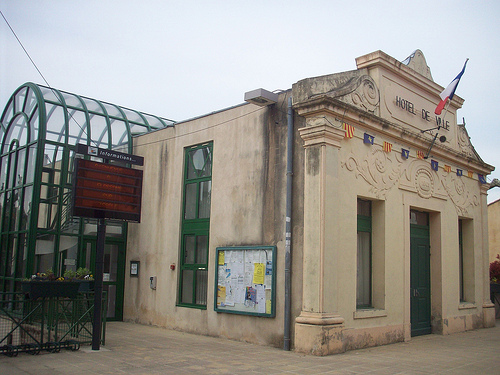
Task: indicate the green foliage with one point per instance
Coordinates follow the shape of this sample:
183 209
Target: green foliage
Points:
495 270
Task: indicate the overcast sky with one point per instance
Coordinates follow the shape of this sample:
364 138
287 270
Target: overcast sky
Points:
181 59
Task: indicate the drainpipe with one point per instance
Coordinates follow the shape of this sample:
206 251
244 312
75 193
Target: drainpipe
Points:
288 225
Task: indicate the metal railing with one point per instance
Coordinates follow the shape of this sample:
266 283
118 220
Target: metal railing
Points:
50 324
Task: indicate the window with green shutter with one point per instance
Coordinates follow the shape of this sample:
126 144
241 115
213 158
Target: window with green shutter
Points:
195 226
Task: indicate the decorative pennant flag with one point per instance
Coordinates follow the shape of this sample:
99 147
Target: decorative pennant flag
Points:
405 154
420 154
434 165
349 130
368 138
459 172
449 91
387 146
470 174
447 168
481 178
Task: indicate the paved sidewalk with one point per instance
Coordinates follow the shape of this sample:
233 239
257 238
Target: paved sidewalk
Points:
138 349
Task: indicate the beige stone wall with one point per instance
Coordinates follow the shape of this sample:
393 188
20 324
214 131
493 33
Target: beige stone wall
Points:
347 168
247 208
494 229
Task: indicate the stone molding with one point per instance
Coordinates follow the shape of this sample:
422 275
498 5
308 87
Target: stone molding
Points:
320 133
314 318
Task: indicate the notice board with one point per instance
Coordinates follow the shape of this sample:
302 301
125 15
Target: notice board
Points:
245 279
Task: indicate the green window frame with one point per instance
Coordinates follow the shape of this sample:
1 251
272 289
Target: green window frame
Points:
364 255
197 189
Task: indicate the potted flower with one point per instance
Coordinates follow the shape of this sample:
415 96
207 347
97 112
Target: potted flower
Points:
83 276
495 276
47 284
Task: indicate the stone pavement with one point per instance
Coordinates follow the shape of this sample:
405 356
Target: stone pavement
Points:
138 349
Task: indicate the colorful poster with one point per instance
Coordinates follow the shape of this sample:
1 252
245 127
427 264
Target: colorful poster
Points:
258 273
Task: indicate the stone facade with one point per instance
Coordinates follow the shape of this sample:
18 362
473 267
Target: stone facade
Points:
364 134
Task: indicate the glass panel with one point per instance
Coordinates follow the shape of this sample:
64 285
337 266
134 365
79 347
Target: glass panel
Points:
56 123
205 198
364 207
68 246
189 249
9 112
16 210
190 199
30 170
77 127
187 286
110 262
48 94
17 130
21 159
112 110
119 129
201 249
28 192
71 100
11 265
138 129
200 163
111 290
88 256
3 173
44 253
419 218
47 215
114 229
461 261
133 116
19 99
30 102
90 228
201 286
99 131
21 258
34 126
92 105
363 289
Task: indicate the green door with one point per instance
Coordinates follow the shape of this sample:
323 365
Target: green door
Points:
420 279
114 273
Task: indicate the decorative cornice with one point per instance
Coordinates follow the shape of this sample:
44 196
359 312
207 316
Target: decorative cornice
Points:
320 133
342 112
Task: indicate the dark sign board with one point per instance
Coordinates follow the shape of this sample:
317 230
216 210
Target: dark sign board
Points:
107 191
109 154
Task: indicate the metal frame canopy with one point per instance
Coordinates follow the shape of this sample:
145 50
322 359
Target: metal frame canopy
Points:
40 128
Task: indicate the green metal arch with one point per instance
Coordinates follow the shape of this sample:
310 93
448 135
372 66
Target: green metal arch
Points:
34 205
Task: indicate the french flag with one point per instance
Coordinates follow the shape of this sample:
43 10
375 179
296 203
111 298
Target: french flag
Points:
449 91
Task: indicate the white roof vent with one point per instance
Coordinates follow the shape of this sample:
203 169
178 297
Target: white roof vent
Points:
261 97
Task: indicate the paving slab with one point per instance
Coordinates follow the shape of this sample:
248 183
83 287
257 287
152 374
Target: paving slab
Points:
139 349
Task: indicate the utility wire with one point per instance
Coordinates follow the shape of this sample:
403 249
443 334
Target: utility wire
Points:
24 49
43 77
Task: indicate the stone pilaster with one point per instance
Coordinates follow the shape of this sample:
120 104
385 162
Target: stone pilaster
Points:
318 329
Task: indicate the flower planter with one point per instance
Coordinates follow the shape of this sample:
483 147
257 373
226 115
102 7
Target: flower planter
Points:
85 285
47 289
494 288
495 298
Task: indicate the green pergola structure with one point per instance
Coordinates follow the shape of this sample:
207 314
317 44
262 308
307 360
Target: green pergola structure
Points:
40 128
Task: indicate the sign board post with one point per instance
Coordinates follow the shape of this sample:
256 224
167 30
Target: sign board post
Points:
105 191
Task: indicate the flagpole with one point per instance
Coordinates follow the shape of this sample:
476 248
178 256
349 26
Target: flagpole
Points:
439 127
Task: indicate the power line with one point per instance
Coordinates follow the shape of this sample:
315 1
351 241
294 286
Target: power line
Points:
24 49
43 77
